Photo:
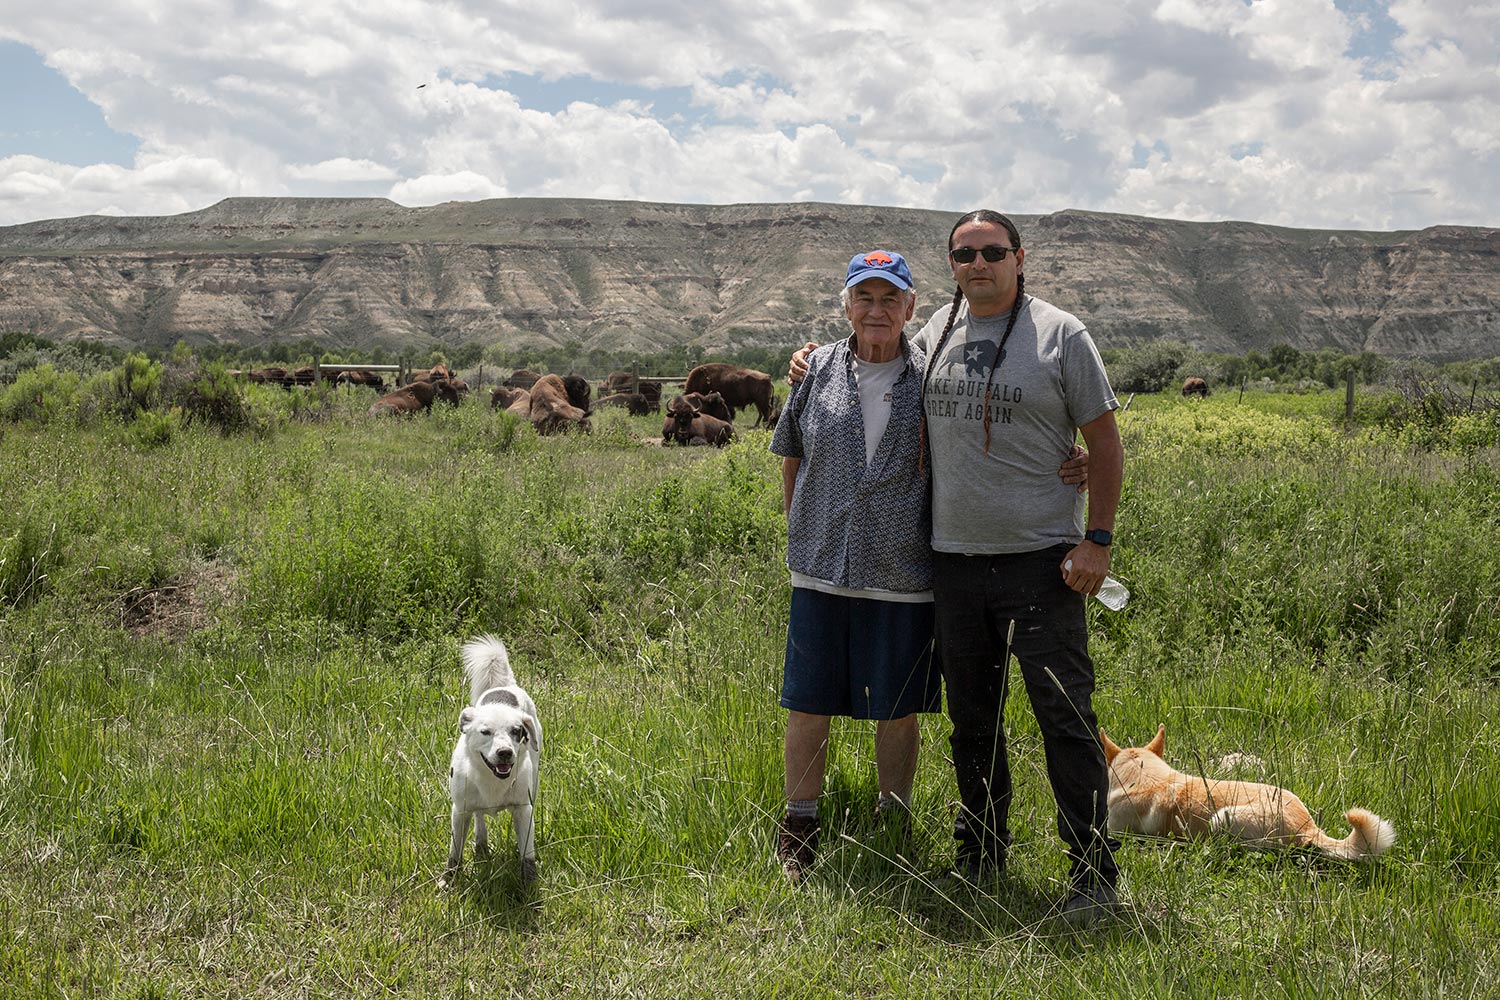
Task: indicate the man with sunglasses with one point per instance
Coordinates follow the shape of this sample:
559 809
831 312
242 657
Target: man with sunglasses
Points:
1011 380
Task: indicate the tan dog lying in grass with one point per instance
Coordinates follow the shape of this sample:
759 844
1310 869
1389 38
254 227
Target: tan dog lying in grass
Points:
1148 796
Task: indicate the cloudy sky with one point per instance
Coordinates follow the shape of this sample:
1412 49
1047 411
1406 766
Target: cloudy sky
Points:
1364 114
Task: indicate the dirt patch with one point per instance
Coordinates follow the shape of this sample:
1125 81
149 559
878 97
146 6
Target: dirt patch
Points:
184 604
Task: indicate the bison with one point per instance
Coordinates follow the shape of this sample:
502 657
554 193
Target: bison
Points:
521 378
550 409
358 376
416 396
503 397
711 403
739 386
687 424
433 374
268 376
634 402
578 390
617 382
1195 387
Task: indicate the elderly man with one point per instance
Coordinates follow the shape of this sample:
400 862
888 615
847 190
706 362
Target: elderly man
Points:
859 639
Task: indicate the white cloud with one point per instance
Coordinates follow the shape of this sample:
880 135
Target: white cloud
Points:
1253 111
340 169
432 189
31 188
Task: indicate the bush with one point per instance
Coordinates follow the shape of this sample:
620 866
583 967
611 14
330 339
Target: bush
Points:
1148 367
209 394
137 385
39 395
153 428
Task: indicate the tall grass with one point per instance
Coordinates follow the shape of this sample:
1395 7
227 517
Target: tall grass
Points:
253 804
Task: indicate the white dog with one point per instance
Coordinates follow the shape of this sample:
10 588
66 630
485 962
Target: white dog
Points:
495 762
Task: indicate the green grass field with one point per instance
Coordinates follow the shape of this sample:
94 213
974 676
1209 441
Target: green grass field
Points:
229 685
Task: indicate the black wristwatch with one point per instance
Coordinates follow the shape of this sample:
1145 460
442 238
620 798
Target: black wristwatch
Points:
1098 536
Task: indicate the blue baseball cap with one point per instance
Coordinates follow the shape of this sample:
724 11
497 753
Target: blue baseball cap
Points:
879 264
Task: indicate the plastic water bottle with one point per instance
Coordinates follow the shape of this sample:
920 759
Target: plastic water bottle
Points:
1113 594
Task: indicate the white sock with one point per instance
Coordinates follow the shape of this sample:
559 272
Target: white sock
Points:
805 808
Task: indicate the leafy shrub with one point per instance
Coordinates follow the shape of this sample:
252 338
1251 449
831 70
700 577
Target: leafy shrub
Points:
154 428
39 395
1149 367
209 394
137 385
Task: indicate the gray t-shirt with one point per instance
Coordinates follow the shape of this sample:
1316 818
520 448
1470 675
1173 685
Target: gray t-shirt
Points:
1050 382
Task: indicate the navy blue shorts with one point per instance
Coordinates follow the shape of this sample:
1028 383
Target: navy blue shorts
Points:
859 658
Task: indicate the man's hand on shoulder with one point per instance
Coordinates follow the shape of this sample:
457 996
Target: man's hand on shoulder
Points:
796 370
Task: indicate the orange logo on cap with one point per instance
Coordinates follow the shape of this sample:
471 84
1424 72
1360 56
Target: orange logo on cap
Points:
879 258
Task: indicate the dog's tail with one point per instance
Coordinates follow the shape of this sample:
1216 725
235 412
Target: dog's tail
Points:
1369 839
486 665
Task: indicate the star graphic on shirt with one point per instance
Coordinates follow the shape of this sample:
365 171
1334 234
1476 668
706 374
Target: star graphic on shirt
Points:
978 357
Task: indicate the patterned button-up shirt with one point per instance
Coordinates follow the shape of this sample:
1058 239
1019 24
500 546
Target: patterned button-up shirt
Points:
853 525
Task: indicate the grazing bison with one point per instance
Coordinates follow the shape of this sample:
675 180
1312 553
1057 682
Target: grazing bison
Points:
306 375
739 387
686 424
550 410
1195 387
634 402
268 376
711 403
416 396
521 378
774 418
652 392
358 376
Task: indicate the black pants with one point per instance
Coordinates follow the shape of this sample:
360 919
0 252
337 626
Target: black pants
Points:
979 601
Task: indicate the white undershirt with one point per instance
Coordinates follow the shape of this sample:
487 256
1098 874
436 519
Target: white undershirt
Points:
875 380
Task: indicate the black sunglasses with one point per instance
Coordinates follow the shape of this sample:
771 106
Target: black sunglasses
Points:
965 255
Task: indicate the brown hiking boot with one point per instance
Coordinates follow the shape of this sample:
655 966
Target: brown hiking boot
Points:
797 845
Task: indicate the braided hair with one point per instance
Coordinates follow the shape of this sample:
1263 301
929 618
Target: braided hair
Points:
993 218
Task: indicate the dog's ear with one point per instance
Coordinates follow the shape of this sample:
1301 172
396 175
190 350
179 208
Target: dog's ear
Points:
466 719
533 731
1158 744
1110 750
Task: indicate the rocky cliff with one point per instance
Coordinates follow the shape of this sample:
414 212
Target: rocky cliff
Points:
356 273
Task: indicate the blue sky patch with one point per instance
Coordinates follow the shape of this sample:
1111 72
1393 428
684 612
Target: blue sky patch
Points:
672 106
1141 154
41 114
1375 34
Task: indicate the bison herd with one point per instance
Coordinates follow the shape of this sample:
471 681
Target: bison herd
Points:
703 414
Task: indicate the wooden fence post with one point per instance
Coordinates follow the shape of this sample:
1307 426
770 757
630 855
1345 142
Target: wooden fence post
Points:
1349 400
